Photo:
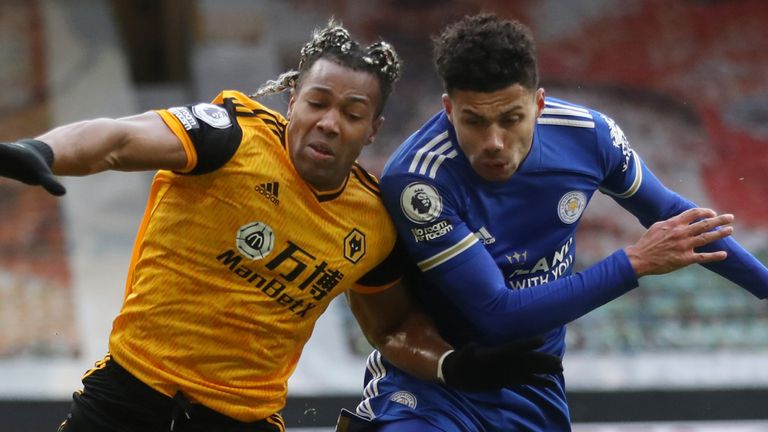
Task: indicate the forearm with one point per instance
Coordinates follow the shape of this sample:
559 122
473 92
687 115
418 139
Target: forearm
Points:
416 347
741 267
501 314
85 147
667 246
399 330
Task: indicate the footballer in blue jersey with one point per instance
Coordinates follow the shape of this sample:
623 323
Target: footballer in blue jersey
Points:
487 196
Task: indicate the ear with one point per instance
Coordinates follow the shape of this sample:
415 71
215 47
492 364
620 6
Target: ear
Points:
447 106
290 105
539 101
375 129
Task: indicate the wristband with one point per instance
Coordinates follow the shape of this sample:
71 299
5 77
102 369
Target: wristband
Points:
440 376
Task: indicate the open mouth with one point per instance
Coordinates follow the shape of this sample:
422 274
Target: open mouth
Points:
320 150
495 164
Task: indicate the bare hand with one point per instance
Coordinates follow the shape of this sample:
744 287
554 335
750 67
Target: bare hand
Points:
669 245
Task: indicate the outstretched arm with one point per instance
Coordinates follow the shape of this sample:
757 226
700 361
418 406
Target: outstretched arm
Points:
504 314
141 142
136 143
653 202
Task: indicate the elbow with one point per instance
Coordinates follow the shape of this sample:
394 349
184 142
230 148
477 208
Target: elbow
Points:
383 337
381 341
390 342
407 339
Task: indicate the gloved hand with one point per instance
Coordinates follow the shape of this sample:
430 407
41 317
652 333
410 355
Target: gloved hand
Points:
478 368
30 161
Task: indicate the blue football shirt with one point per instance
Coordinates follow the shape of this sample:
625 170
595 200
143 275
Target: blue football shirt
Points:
493 261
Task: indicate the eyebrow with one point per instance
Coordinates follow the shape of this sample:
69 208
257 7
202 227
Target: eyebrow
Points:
502 114
352 97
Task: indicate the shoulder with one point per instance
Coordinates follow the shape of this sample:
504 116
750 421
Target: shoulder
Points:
245 107
426 151
563 121
361 192
366 181
250 113
558 112
363 197
585 135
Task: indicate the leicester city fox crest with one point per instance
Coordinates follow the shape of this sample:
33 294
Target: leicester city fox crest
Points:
571 206
404 398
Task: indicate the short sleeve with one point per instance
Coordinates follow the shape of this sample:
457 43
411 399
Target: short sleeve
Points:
209 133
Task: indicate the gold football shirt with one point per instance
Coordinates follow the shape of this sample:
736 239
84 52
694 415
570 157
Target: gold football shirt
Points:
234 263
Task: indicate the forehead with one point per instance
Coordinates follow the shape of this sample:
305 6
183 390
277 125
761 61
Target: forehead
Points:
341 81
490 104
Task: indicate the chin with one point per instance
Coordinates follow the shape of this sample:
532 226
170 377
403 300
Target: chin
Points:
495 175
498 178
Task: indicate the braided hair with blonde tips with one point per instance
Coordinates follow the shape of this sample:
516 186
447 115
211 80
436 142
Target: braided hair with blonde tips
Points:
334 43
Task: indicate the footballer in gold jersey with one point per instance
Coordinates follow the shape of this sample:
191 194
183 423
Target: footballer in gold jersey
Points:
237 284
254 223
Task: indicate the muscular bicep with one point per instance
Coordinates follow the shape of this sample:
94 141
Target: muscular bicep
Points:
150 144
140 142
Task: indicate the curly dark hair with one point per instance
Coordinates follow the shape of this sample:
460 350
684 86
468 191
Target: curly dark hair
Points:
485 53
334 43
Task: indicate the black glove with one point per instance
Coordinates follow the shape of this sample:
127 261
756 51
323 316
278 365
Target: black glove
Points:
477 368
30 161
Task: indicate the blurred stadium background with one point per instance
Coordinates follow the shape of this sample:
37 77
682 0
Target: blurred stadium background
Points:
686 79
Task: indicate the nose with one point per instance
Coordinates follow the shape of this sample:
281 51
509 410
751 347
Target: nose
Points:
329 122
494 140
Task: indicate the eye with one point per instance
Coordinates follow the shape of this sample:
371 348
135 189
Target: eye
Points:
354 116
473 121
511 121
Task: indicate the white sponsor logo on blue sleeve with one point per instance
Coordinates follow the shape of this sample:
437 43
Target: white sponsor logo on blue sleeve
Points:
431 232
619 141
